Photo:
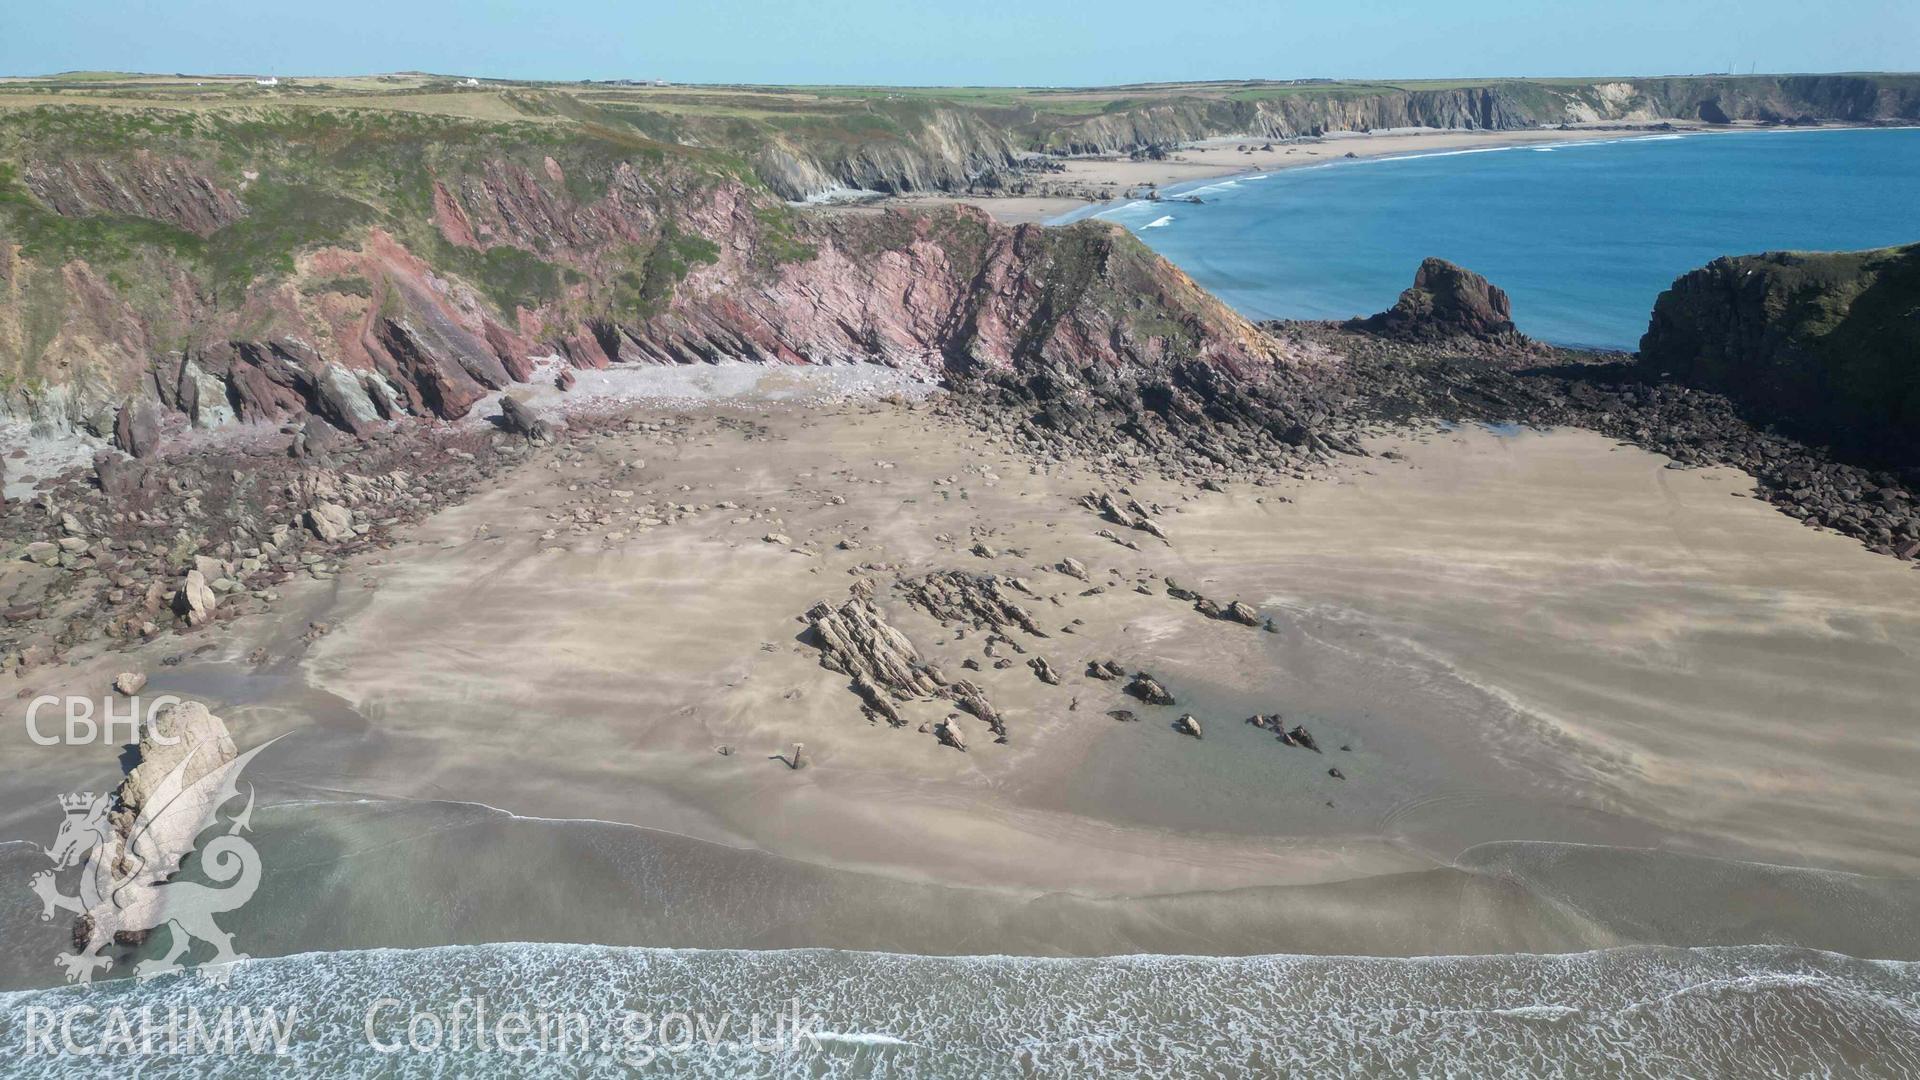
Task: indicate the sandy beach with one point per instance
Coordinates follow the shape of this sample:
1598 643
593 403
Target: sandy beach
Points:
1513 703
1085 181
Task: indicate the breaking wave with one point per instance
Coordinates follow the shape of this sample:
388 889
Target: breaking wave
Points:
1739 1011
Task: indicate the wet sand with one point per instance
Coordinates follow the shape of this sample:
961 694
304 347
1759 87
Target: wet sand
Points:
1542 640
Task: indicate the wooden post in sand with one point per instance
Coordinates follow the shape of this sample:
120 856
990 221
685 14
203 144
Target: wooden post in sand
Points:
799 755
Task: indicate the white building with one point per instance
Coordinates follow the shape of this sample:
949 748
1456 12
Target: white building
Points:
270 80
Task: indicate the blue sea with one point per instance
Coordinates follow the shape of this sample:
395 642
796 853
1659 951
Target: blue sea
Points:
1583 236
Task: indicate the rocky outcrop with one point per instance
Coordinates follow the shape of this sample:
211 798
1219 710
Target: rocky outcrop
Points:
1148 689
186 730
983 601
1394 382
1823 345
141 184
855 640
1446 303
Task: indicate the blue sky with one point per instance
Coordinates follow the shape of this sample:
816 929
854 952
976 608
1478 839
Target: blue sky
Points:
1025 42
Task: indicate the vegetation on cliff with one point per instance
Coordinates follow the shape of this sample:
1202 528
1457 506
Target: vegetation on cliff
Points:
803 141
359 265
1824 345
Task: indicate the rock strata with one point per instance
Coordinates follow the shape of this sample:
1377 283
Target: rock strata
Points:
967 599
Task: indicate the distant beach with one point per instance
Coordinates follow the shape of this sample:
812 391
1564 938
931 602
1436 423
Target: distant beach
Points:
1114 177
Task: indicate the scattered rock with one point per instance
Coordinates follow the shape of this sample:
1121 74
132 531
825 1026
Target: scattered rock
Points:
1188 724
1241 613
949 734
1146 689
129 683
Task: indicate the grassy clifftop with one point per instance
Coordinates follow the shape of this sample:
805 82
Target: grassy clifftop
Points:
1827 345
805 140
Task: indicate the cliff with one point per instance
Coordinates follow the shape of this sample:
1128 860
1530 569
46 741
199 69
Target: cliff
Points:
946 146
1826 346
362 268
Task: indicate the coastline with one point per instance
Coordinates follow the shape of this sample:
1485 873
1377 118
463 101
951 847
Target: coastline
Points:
1089 185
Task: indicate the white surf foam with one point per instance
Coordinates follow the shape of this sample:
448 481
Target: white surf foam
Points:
1636 1011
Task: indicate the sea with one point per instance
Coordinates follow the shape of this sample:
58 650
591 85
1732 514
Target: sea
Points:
1582 235
542 1009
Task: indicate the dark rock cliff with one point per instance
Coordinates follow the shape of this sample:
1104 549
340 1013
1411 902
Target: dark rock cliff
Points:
1824 345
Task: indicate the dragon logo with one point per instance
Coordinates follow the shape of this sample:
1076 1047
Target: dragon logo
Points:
124 886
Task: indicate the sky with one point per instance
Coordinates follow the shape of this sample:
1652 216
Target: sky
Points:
960 42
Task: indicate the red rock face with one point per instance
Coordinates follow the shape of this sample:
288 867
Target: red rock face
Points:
935 292
143 185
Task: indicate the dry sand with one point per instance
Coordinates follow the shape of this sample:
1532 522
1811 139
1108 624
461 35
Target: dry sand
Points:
1532 638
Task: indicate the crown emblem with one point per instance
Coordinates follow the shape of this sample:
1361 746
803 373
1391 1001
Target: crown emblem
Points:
79 800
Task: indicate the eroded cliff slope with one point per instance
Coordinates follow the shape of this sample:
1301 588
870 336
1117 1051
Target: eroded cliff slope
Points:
363 267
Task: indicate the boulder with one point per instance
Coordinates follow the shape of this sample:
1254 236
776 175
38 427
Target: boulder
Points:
949 734
1188 724
1148 690
329 522
117 474
195 599
136 428
128 683
520 418
186 730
